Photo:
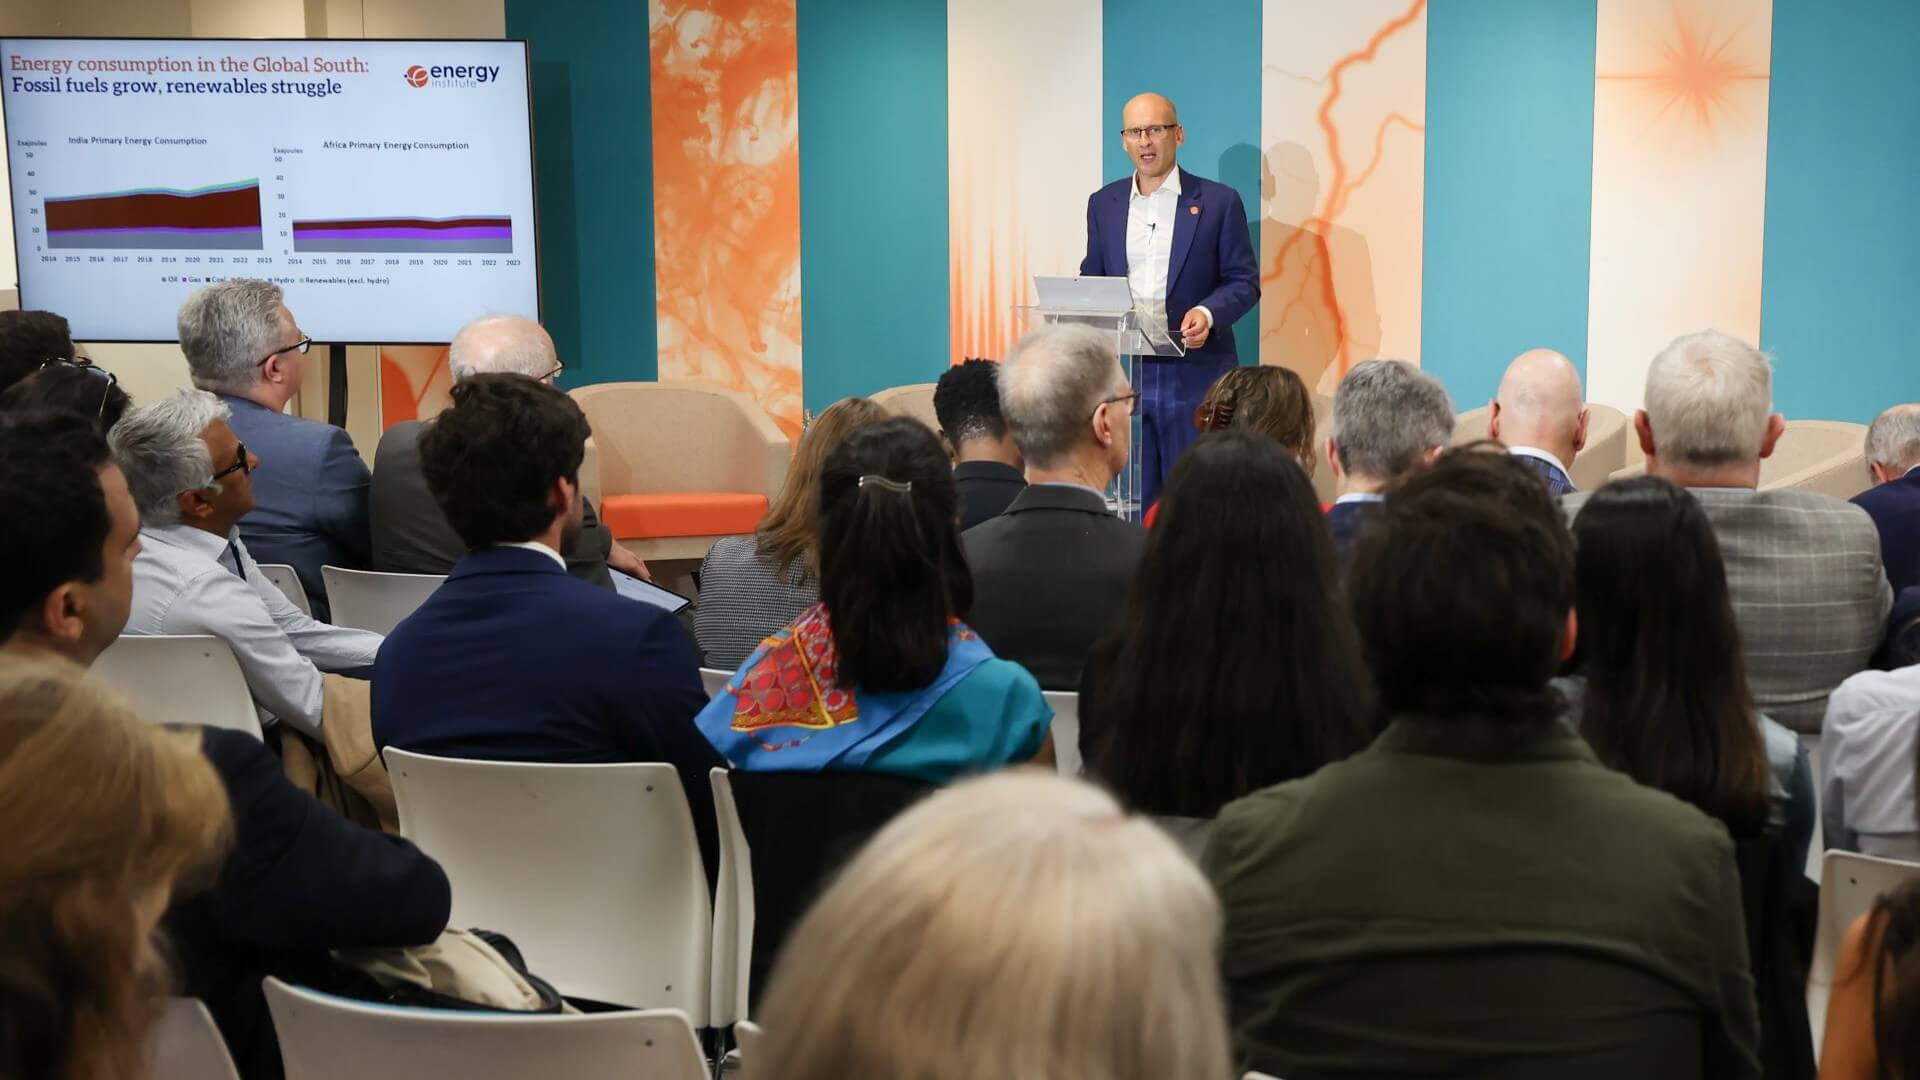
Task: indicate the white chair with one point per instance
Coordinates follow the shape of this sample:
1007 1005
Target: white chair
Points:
592 870
714 680
323 1037
366 600
747 1036
1849 884
288 582
185 1045
732 910
1258 1076
1066 730
181 679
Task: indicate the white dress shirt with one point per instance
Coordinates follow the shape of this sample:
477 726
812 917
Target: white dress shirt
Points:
1547 456
185 581
535 545
1150 221
1866 764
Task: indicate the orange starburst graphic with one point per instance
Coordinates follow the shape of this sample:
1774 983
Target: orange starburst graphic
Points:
1695 74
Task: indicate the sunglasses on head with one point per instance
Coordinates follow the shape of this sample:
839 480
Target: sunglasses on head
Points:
87 365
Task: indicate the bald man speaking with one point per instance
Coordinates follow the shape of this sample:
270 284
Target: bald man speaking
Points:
1183 246
1539 414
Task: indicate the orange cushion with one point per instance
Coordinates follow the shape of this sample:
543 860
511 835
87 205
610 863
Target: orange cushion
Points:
682 513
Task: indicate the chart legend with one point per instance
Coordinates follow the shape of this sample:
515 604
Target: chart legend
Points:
488 234
219 217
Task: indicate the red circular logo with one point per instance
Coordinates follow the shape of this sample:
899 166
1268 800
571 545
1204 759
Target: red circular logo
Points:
416 76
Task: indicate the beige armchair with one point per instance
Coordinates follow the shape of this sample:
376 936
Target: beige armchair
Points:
914 399
1827 456
678 464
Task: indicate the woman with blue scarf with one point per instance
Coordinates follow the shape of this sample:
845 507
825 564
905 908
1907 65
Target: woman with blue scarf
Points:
882 675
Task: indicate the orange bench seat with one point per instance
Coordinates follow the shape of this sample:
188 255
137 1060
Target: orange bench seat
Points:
684 513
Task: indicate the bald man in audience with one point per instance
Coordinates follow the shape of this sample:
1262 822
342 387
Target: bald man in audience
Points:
1893 460
410 533
1540 416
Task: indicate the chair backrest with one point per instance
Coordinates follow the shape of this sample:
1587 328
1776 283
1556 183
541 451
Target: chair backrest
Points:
747 1036
593 870
680 436
1471 425
714 680
1826 456
1608 433
1066 730
732 910
181 679
323 1037
288 582
185 1044
1849 884
369 600
914 399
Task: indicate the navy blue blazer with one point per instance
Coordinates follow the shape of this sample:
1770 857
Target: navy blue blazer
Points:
514 659
1343 521
1212 264
300 880
310 496
1895 510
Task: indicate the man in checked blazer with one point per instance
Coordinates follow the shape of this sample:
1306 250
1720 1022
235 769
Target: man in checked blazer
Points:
1803 568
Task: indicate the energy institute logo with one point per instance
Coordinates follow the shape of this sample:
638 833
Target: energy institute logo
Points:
416 76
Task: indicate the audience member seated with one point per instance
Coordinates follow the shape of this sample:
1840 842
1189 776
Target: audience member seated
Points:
1475 894
986 464
1873 1015
1539 414
410 534
1869 755
1022 926
512 659
1662 696
1235 665
28 340
299 880
70 386
751 586
192 479
1893 459
882 675
1050 573
1803 568
1389 419
105 815
1264 400
242 343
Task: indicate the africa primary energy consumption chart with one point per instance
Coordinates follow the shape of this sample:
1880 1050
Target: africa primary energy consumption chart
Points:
386 186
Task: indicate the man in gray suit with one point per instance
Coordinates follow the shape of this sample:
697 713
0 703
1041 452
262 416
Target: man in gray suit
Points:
1803 568
410 533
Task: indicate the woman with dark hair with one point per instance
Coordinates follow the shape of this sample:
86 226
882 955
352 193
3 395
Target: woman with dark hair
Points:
75 386
1873 1015
882 675
1235 664
1260 400
1661 692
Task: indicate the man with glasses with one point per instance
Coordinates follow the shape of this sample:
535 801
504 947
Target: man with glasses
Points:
1050 573
192 479
242 343
1183 245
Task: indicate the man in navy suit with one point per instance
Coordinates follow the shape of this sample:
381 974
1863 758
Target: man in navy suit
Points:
514 659
1183 246
1893 457
310 491
1539 414
1389 419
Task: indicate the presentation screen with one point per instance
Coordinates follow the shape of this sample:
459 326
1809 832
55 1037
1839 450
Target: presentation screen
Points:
387 186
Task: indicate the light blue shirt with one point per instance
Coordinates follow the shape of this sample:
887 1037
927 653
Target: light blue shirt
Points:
185 581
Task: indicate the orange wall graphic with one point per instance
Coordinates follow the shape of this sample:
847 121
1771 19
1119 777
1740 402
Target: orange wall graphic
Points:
1343 115
1679 180
726 188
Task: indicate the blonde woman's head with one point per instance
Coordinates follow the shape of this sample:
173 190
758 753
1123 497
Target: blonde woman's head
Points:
1017 925
789 534
104 813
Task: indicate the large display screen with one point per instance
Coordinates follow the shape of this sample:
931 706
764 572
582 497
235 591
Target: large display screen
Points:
387 186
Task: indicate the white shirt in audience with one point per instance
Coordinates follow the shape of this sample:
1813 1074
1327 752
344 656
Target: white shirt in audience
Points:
185 581
1867 764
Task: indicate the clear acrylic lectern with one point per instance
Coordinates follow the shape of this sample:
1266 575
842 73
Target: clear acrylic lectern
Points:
1094 302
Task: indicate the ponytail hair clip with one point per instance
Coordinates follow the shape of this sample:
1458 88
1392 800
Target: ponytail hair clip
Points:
887 483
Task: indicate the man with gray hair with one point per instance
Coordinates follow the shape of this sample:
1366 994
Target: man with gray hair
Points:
410 533
1051 572
1389 418
243 344
1538 413
1893 459
192 479
1803 569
